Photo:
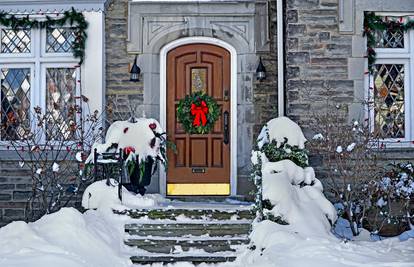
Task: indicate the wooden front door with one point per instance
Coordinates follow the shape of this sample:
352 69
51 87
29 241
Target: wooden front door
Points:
201 164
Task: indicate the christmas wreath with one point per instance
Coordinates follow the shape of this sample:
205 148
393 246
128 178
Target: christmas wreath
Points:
198 113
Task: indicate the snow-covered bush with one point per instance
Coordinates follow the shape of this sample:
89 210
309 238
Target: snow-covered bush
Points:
53 150
392 205
349 156
288 193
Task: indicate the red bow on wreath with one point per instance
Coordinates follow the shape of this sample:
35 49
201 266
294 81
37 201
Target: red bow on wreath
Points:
200 113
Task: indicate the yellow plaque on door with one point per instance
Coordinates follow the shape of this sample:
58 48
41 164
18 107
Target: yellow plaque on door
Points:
198 189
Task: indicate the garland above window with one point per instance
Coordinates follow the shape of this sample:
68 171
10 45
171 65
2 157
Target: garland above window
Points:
374 24
75 19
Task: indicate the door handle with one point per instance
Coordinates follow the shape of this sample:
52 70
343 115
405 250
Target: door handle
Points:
226 127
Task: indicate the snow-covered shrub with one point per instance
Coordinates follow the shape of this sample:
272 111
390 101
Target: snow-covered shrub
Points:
392 205
53 150
288 193
349 157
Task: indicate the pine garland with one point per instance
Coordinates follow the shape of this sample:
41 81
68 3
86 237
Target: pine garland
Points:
373 24
75 19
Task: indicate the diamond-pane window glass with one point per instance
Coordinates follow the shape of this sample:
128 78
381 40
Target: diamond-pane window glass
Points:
59 40
389 100
60 102
15 103
15 41
389 39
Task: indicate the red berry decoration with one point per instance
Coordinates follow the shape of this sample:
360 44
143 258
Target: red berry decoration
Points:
153 126
128 150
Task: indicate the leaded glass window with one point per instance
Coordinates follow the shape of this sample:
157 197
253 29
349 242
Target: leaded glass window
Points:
15 41
15 102
59 40
60 99
389 100
389 39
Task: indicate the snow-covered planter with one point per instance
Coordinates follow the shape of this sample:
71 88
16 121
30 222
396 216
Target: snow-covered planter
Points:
142 143
288 193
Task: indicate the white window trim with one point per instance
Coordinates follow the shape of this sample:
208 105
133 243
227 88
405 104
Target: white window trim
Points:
39 60
397 56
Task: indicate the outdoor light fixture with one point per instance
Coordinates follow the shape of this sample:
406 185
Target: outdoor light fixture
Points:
135 71
260 71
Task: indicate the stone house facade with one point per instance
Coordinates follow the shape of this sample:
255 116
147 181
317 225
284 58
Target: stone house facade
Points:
303 44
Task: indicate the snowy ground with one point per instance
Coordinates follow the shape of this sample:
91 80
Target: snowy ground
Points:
95 239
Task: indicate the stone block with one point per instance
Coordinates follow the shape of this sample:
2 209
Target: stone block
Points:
356 68
297 58
6 186
21 195
294 30
358 46
13 213
5 197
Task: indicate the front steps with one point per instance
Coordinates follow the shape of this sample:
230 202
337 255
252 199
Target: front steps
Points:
197 235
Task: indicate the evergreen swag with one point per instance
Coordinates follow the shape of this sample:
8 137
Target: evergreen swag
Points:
75 19
285 151
191 120
374 24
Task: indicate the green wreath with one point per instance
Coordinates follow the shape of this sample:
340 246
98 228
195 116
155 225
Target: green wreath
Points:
198 113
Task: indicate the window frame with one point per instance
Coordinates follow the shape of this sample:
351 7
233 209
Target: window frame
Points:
18 55
39 60
403 56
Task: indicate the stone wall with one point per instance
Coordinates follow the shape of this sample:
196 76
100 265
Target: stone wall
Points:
15 185
265 95
316 59
122 95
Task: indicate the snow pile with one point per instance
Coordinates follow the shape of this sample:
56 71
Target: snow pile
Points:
282 245
65 239
140 135
280 128
294 192
104 197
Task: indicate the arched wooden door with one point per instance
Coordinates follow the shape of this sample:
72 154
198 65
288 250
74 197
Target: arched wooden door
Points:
201 165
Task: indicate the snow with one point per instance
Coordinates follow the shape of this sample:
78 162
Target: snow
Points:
280 128
55 167
339 149
131 134
283 245
65 239
305 207
103 197
318 136
350 147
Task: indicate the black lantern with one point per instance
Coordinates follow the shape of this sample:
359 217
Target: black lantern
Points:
135 71
260 71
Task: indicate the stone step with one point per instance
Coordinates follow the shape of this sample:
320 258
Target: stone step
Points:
194 259
194 214
188 229
170 246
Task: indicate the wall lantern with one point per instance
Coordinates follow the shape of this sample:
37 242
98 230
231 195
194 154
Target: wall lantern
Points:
135 71
260 71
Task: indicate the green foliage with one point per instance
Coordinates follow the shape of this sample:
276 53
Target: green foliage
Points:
75 19
286 151
186 119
